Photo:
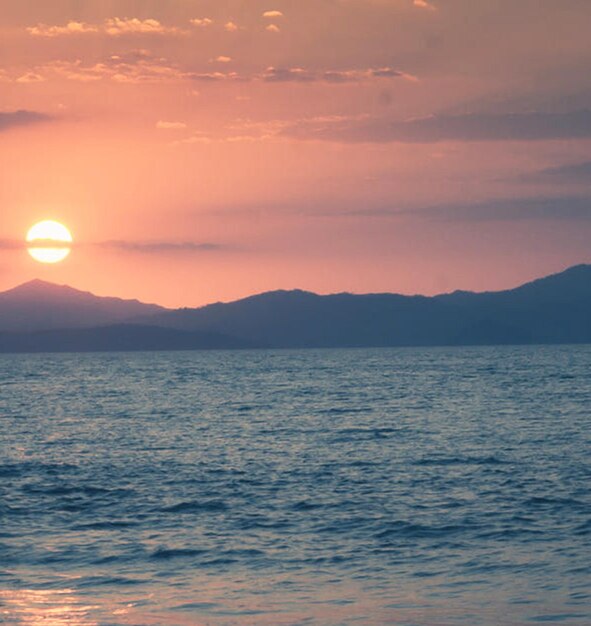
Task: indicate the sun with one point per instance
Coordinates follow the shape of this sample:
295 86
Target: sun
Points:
49 241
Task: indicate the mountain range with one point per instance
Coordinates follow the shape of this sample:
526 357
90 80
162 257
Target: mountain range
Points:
43 317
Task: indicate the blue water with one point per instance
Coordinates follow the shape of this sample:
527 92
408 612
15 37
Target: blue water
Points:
421 487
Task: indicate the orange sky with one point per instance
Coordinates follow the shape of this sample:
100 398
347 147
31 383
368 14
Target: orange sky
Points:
204 150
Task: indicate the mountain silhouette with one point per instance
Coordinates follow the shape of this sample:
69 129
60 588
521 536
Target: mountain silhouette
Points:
554 309
39 305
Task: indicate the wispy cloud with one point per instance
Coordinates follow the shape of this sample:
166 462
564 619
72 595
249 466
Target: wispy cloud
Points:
164 125
245 130
113 27
573 173
133 26
535 126
141 66
424 4
13 119
516 209
561 208
302 75
136 66
30 77
272 14
70 28
140 247
160 247
197 138
201 22
15 244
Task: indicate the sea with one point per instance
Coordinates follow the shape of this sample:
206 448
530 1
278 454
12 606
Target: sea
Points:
423 487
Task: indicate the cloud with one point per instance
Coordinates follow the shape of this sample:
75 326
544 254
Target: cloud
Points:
201 21
385 72
30 77
71 28
163 125
301 75
273 28
17 244
573 173
197 138
561 208
213 77
471 127
117 27
423 4
14 119
134 67
112 27
160 247
272 14
143 247
231 27
245 130
141 66
516 209
287 75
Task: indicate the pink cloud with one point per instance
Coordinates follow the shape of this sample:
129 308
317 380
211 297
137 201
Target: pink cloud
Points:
113 27
71 28
424 4
201 21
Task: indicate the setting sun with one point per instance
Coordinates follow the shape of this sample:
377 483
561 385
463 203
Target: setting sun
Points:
50 241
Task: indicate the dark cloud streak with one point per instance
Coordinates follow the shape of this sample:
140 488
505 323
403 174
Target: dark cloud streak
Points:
300 75
565 208
14 119
141 247
536 126
574 173
157 247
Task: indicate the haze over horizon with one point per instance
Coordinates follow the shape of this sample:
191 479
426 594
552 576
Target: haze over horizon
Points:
205 151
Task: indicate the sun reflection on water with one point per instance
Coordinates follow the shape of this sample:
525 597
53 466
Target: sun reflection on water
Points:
45 608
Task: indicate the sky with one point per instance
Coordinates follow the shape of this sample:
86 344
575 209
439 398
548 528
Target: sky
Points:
207 150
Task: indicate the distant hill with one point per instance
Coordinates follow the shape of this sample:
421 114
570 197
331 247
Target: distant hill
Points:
38 305
555 309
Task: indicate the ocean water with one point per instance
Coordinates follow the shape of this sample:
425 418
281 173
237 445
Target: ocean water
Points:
424 487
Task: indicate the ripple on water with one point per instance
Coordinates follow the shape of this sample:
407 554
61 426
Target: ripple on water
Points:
444 486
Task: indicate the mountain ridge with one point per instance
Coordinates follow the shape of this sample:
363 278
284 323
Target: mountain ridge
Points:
552 309
303 319
41 305
38 286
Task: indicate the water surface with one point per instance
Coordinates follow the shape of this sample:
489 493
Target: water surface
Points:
418 487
